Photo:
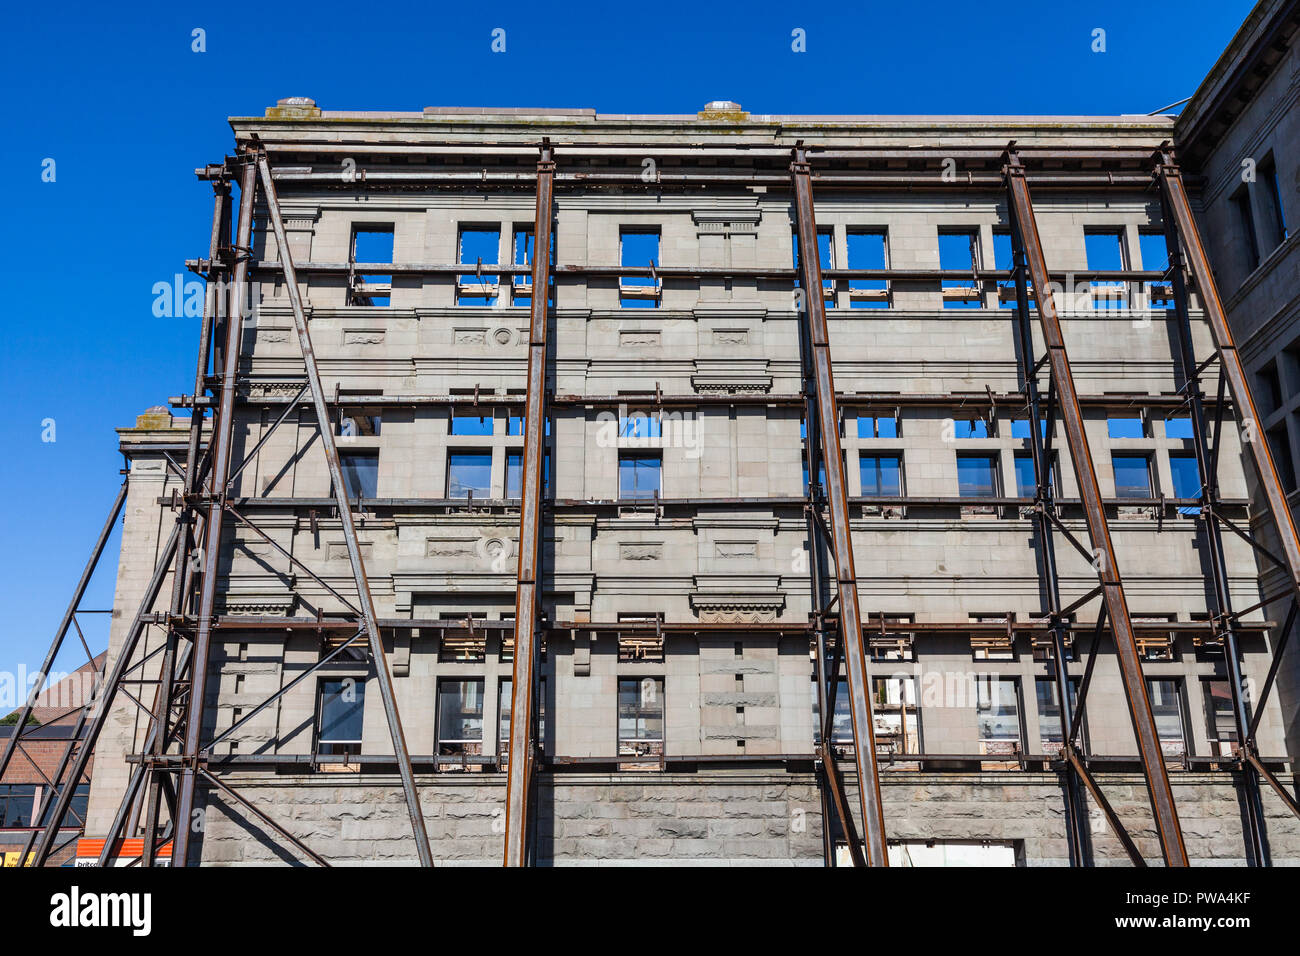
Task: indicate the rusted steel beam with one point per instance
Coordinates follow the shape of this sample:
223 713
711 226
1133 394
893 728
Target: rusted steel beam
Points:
1076 811
1219 595
642 401
324 425
104 698
1116 826
221 445
910 180
181 579
1198 265
1130 665
850 613
527 591
258 812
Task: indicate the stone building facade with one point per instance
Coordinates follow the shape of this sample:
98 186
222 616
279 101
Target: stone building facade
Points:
677 694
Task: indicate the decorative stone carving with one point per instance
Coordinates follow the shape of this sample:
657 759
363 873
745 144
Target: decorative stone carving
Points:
737 608
638 338
640 551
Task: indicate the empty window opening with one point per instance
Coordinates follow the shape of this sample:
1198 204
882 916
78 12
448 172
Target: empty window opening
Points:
897 721
1049 712
1178 427
842 723
879 427
640 425
467 423
460 717
464 645
360 474
881 475
469 474
1004 260
1132 427
371 245
522 283
358 422
977 476
505 705
1220 721
1245 217
1132 476
959 251
1026 483
1105 251
479 246
514 475
825 259
997 714
1186 477
340 710
971 428
868 249
821 471
640 716
1155 258
1279 443
639 249
1275 216
640 476
1167 708
1020 428
1270 387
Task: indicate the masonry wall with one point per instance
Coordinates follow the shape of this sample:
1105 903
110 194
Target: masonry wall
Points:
722 818
741 692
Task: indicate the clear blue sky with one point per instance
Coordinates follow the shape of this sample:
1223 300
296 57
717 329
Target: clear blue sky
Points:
118 99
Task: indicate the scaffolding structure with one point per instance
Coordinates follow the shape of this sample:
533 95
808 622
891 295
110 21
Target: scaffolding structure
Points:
177 759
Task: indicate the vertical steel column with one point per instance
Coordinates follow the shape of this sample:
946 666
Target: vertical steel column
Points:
527 591
851 642
193 485
364 597
1076 823
1198 264
831 781
223 431
1221 615
1112 584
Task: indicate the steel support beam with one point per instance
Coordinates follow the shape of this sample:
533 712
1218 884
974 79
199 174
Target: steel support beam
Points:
1021 211
181 579
1219 595
221 443
104 699
371 619
1188 257
519 772
850 613
1194 258
1076 810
